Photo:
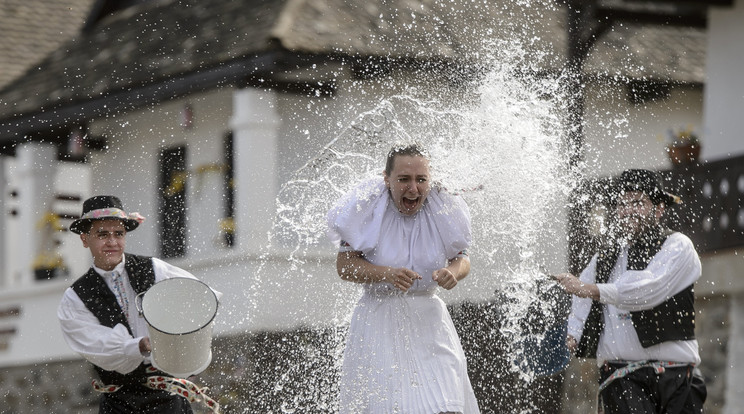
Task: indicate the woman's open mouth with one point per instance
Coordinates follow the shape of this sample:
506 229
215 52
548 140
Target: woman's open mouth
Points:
409 204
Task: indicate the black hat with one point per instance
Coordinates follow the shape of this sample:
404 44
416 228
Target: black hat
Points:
104 207
647 182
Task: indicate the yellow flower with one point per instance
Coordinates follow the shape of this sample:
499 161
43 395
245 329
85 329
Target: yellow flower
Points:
683 137
227 225
50 219
48 261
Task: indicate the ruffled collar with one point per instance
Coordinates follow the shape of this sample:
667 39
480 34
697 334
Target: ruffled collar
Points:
357 217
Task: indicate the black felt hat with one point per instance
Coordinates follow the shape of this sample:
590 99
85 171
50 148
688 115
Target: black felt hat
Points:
104 207
648 182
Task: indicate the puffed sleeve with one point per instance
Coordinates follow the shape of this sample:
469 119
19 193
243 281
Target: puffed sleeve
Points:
451 216
357 217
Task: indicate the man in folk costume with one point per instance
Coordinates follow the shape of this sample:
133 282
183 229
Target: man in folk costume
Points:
633 308
99 319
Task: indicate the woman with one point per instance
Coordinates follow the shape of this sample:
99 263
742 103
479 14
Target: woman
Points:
402 238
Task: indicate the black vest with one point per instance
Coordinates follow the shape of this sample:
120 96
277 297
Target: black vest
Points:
101 302
672 320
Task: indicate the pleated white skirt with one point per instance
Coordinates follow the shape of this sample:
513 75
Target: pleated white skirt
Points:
403 355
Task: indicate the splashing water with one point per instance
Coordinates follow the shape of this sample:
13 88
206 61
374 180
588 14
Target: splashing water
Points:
500 142
502 148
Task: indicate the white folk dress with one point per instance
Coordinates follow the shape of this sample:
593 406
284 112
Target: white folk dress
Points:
402 353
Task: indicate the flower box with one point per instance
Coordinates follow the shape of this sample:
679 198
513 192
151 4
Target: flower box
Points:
684 154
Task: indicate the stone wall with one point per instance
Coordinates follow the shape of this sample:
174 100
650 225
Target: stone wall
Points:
51 388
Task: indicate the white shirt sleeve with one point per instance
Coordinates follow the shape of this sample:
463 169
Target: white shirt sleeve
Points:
580 306
112 349
670 271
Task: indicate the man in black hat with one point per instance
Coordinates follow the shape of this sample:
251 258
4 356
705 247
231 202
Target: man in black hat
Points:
99 318
633 308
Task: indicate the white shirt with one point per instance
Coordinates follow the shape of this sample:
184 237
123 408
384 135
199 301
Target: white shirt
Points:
112 349
675 267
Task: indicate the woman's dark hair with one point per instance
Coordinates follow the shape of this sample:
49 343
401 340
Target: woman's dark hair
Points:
414 149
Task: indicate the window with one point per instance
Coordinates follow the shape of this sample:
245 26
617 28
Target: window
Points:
228 222
172 201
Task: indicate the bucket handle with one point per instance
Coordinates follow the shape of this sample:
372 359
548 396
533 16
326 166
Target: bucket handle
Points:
138 303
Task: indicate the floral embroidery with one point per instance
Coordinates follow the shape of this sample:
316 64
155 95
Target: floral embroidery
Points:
115 213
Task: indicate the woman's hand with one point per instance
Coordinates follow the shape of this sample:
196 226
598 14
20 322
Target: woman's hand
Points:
457 268
402 278
444 278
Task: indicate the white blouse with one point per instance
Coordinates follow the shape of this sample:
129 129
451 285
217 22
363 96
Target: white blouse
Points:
369 222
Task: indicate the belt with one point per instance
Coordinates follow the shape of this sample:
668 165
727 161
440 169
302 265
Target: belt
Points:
176 386
382 291
624 369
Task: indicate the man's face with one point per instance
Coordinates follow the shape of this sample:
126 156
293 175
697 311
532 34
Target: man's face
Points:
106 241
409 183
636 214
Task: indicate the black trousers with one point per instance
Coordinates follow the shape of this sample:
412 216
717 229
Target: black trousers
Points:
678 390
138 399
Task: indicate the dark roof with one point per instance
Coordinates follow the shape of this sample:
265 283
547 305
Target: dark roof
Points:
30 29
162 49
651 52
153 50
144 45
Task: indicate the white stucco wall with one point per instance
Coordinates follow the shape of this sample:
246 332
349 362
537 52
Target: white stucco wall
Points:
37 335
724 108
724 89
129 168
621 135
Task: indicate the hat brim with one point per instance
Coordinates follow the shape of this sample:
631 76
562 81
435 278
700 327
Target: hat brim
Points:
78 226
670 198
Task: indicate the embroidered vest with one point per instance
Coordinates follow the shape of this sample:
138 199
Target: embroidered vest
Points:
101 302
672 320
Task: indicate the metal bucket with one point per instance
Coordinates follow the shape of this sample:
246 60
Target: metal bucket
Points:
179 314
546 356
543 352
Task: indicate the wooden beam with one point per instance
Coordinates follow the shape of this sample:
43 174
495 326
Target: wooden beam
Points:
639 17
698 2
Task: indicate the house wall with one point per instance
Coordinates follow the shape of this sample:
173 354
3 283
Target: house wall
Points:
28 189
36 335
724 106
129 167
724 91
28 322
621 135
